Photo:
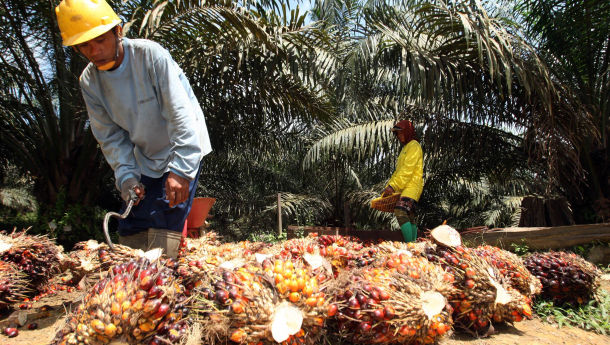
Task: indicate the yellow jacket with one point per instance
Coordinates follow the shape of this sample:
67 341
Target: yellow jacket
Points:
408 178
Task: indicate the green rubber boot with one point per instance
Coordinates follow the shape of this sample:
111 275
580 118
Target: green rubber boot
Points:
414 231
407 232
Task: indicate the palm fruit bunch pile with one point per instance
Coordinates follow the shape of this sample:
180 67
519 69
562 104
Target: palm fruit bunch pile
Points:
83 259
203 256
38 257
565 277
275 301
109 258
399 299
89 258
482 294
342 252
13 284
138 302
415 248
511 268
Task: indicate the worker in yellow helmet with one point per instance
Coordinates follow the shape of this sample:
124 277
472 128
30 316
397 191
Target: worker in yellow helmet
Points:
407 179
144 115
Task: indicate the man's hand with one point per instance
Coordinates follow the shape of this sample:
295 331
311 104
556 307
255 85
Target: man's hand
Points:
176 189
137 187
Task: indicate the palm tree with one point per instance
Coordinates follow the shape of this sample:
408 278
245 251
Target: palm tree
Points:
255 67
573 38
470 82
44 122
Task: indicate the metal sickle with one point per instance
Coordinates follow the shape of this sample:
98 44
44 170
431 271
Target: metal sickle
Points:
132 198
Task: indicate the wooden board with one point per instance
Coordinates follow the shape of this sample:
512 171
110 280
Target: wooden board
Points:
541 237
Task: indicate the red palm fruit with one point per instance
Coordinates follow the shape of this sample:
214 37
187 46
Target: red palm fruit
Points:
353 303
11 332
442 328
404 331
151 306
238 335
237 307
161 311
332 310
379 314
155 292
311 301
389 312
365 327
146 282
383 295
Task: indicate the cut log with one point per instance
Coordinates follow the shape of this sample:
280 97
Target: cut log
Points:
541 237
539 211
532 212
558 212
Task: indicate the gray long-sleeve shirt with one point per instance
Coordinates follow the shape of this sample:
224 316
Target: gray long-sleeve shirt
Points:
144 114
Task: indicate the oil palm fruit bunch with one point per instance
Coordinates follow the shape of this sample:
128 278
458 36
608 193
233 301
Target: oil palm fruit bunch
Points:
349 242
565 277
88 258
401 301
415 248
343 252
482 295
196 262
13 284
201 259
138 302
109 258
336 250
84 257
296 247
36 256
276 301
511 268
83 261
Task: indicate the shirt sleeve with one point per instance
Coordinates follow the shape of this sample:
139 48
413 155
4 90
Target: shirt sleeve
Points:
113 140
180 114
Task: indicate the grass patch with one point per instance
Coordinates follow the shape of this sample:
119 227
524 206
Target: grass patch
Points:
593 316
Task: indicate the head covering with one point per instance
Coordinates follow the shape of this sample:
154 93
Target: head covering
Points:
406 127
83 20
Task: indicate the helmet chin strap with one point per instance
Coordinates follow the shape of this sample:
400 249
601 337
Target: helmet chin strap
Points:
109 65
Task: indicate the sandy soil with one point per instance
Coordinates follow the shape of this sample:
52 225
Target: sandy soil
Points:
528 332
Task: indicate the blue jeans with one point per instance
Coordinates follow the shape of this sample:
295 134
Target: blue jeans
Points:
153 211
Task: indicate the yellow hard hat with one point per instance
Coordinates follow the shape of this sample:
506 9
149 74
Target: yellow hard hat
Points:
82 20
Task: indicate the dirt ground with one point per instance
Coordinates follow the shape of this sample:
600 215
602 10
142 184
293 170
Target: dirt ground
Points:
528 332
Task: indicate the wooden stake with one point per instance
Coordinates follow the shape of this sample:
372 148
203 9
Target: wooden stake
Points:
279 214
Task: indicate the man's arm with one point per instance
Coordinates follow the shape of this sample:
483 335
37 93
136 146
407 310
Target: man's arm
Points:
113 140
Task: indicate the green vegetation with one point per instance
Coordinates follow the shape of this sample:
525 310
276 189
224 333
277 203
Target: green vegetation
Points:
593 316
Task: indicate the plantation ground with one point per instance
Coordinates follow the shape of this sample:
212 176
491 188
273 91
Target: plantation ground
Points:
528 332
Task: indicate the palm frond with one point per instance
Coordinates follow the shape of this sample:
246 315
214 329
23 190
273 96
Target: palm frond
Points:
301 207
